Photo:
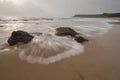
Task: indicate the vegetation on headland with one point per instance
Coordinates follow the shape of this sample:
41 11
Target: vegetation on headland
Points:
98 15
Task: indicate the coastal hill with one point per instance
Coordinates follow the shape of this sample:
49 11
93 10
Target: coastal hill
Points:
98 15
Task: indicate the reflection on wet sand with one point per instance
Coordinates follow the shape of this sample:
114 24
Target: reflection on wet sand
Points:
99 62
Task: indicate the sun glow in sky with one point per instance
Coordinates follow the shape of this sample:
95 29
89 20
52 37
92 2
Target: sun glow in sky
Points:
57 8
16 2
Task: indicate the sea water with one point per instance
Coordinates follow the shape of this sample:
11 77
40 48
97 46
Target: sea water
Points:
48 48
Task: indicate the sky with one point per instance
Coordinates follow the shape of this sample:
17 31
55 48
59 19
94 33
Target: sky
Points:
57 8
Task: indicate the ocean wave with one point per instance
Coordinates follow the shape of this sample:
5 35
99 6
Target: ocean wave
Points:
48 48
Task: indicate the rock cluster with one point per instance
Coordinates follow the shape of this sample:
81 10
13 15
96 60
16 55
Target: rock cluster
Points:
66 31
19 36
24 37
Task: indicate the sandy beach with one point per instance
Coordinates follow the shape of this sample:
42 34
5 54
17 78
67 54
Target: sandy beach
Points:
59 40
100 61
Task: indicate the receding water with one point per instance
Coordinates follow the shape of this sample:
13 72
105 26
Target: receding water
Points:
47 47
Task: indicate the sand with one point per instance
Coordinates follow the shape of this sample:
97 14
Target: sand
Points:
100 61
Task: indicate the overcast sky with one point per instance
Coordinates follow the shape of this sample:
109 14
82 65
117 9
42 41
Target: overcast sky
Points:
57 8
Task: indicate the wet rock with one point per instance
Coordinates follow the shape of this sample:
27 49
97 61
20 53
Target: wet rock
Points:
65 31
80 39
1 26
19 36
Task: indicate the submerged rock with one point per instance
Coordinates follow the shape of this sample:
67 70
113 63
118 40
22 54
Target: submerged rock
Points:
80 39
19 36
65 31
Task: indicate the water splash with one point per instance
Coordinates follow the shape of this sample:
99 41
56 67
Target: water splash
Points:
49 48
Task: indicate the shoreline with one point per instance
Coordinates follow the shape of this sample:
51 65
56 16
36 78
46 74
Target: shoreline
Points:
100 61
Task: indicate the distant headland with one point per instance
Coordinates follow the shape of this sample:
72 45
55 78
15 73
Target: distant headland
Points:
98 15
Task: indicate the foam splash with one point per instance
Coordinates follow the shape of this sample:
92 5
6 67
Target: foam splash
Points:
93 30
45 48
48 48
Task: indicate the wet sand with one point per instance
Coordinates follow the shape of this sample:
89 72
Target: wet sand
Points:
100 61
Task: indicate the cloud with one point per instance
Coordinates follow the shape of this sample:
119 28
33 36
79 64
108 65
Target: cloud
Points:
59 8
7 8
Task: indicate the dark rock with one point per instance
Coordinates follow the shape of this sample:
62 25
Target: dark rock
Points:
80 39
1 26
65 31
19 36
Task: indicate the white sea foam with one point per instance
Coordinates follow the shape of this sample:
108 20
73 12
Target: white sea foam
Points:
48 48
93 30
